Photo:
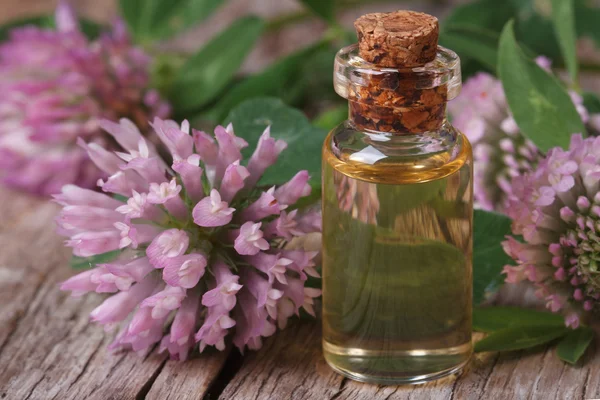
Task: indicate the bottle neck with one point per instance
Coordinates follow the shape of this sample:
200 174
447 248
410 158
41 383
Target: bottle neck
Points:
401 101
406 110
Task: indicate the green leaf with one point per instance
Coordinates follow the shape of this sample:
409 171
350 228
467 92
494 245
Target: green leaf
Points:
120 197
159 19
587 17
472 42
489 230
90 262
537 33
331 117
131 12
488 14
323 8
310 200
572 347
273 81
563 17
315 80
153 17
540 105
190 13
206 73
520 337
492 319
304 140
90 28
591 101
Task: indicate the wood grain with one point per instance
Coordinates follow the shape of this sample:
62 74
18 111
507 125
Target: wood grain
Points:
50 350
290 366
189 380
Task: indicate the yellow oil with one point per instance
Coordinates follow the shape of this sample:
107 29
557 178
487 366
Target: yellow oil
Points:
397 250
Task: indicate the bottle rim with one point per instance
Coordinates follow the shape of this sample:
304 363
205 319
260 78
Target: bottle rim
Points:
351 73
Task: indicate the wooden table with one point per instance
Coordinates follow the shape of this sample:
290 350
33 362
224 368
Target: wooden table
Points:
49 350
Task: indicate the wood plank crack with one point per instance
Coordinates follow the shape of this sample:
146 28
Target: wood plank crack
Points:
452 393
230 368
558 386
264 382
87 363
486 380
33 388
141 395
537 378
341 389
112 369
585 385
391 394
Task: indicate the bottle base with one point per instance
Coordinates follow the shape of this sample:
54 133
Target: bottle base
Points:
402 368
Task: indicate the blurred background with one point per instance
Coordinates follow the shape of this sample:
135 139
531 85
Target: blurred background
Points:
293 27
201 59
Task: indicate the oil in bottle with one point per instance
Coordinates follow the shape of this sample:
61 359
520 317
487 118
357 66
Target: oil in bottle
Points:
397 209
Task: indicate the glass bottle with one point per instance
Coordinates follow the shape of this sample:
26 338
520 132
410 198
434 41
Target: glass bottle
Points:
397 224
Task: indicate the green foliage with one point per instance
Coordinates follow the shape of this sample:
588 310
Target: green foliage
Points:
573 345
489 229
540 105
207 72
304 141
563 17
472 30
591 101
587 17
331 117
550 35
323 8
488 14
273 81
316 79
91 262
472 42
514 328
520 337
536 32
159 19
492 319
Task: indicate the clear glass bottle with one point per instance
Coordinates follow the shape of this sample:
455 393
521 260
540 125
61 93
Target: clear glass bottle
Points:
397 225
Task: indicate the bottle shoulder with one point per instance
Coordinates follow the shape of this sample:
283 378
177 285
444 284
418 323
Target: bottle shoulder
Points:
396 159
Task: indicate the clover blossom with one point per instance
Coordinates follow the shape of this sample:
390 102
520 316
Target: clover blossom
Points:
556 209
500 151
55 86
203 249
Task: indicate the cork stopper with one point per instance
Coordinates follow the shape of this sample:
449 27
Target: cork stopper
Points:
405 92
401 39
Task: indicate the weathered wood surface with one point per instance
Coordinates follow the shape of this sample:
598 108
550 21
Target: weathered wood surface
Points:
49 350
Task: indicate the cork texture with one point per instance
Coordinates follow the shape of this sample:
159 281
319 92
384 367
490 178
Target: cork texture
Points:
406 111
397 39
